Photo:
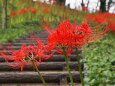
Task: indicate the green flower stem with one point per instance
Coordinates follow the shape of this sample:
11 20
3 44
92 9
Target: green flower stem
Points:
80 70
68 66
36 68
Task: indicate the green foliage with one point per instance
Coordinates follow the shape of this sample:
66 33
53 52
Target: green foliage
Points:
15 32
48 13
100 62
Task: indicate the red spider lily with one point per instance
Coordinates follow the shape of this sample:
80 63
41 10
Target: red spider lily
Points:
100 18
60 37
18 57
40 51
46 10
22 11
96 18
68 35
14 12
33 10
106 22
81 34
27 54
111 26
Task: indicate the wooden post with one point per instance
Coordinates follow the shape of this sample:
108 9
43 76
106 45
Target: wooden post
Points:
4 14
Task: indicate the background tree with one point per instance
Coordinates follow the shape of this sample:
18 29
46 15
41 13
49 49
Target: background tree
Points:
82 3
4 14
61 2
103 5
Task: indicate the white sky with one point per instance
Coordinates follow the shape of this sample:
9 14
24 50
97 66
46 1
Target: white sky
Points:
93 4
91 7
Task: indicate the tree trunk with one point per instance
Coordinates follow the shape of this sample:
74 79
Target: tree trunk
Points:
61 2
4 14
82 4
103 5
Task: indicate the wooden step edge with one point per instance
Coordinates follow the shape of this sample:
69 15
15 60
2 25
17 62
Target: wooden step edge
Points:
35 73
35 84
43 66
55 57
32 77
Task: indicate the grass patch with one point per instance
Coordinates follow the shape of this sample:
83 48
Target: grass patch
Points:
15 32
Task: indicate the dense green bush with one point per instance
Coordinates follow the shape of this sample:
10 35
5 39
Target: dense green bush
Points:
100 62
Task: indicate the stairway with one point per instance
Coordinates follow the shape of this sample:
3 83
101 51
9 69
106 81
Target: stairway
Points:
53 70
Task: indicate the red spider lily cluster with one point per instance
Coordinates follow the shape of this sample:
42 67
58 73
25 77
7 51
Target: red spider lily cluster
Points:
24 10
27 54
68 35
111 25
46 10
106 18
97 18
